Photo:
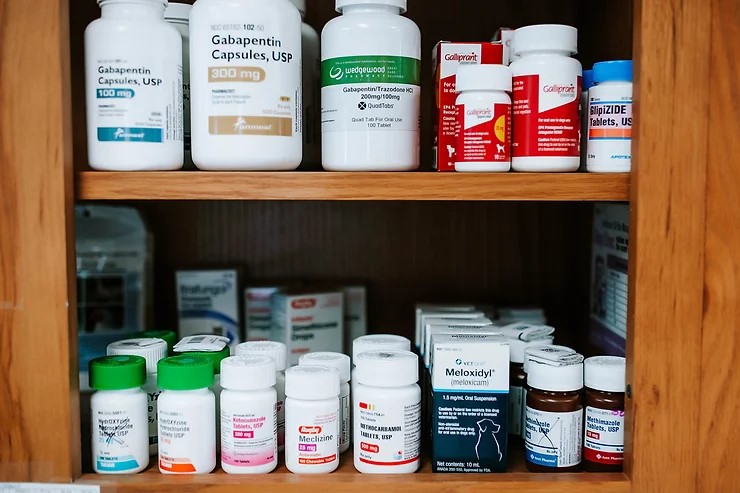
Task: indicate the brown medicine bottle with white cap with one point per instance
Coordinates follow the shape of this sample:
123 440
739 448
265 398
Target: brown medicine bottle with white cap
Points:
603 442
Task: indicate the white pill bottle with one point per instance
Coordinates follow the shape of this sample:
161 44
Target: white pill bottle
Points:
375 342
609 148
245 81
387 410
311 419
370 88
484 118
546 95
248 415
133 88
178 14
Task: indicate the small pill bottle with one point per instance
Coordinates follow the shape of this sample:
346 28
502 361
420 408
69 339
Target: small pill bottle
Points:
248 415
610 118
311 419
120 432
178 14
152 350
603 442
554 416
518 381
483 107
340 362
187 415
279 353
386 409
167 336
376 342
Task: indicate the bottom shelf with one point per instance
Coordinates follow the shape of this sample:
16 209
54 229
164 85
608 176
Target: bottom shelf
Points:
346 478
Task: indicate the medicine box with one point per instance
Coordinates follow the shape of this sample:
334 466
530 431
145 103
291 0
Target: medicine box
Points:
470 393
438 316
308 321
208 303
258 312
423 308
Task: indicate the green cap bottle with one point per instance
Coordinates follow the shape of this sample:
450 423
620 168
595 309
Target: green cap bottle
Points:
118 372
167 335
185 372
216 357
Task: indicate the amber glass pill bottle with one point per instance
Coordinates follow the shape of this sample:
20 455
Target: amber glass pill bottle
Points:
603 440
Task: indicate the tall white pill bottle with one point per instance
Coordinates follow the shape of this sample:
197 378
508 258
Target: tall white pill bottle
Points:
375 342
546 96
245 85
370 88
133 88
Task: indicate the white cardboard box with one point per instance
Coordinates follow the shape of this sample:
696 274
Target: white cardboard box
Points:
208 303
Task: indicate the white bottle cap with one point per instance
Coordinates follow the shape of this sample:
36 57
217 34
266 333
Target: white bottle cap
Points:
518 347
300 5
376 342
252 372
312 383
151 349
387 368
604 373
547 349
554 371
336 360
546 37
275 350
178 12
401 4
483 78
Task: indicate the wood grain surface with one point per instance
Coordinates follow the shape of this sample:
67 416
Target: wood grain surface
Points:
39 431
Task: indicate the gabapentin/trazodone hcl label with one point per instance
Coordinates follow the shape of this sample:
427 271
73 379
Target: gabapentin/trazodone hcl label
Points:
370 92
388 434
248 435
553 439
604 436
115 432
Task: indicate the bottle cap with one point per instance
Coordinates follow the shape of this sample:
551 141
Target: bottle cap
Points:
546 349
604 373
336 360
300 5
163 2
546 37
312 383
185 372
387 368
616 70
554 371
401 4
588 79
177 12
275 350
214 348
483 78
525 331
375 342
517 347
150 348
251 372
118 372
167 335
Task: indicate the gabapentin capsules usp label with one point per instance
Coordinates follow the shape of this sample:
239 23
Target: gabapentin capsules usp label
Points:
604 436
553 439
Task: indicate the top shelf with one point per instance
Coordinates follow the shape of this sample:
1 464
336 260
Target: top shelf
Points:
301 185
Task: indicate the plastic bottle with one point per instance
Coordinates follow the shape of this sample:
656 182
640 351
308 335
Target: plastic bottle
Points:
518 381
546 94
610 118
167 336
248 415
375 342
133 86
278 352
342 364
178 14
245 60
370 88
312 419
603 437
187 415
588 82
484 118
152 350
119 418
387 413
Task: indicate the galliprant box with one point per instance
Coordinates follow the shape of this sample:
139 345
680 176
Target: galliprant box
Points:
447 57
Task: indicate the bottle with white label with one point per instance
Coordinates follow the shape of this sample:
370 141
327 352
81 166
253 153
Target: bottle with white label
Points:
609 148
178 14
603 442
119 415
248 415
187 415
133 86
483 141
553 426
245 79
546 95
312 419
279 353
340 362
370 88
152 350
386 407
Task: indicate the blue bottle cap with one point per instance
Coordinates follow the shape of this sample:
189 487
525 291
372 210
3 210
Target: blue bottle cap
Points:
616 70
588 80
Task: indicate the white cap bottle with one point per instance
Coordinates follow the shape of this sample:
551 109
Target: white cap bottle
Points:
376 342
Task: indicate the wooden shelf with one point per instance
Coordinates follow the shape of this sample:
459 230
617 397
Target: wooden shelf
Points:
347 479
205 185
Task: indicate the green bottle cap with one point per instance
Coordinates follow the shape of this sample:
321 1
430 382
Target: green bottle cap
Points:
185 372
117 372
216 357
167 335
